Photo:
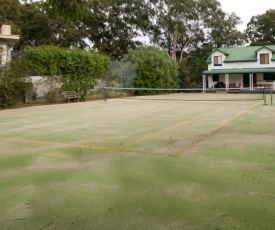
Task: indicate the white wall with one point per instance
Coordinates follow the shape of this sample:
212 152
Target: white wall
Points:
3 52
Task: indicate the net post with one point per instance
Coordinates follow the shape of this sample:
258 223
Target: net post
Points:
105 94
101 93
271 101
264 91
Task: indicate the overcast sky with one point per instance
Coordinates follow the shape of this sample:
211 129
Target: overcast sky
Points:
245 9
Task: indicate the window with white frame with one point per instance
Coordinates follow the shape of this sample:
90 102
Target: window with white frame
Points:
217 60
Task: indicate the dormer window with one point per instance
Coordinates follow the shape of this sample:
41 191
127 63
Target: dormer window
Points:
264 58
217 60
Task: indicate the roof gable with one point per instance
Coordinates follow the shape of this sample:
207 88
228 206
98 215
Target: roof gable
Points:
271 48
220 50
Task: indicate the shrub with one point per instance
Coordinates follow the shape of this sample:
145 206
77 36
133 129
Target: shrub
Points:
13 83
156 69
76 69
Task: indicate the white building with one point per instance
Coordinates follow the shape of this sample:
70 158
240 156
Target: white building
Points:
243 68
7 41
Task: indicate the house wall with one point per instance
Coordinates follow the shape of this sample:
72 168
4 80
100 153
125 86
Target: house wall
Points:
5 51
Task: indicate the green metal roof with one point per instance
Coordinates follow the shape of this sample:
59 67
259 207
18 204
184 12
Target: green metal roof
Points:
239 71
243 54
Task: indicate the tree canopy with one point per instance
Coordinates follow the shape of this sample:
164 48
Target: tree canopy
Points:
261 28
112 27
155 68
70 9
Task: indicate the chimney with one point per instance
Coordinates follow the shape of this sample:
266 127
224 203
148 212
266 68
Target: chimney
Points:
5 30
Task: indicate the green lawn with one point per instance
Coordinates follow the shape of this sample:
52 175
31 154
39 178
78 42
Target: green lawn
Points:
139 164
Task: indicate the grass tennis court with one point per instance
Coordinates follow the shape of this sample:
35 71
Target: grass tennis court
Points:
139 164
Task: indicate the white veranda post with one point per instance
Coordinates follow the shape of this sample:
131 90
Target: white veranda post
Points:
226 81
203 83
251 82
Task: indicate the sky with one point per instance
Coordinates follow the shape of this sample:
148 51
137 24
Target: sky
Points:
245 9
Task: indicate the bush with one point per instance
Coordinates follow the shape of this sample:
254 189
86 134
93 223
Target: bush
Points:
156 69
76 69
13 83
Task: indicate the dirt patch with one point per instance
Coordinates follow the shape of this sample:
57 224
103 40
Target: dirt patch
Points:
185 191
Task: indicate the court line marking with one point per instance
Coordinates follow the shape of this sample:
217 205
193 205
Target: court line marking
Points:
55 143
159 133
71 145
54 154
119 149
205 136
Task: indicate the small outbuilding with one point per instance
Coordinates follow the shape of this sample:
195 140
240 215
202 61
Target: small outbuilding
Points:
7 41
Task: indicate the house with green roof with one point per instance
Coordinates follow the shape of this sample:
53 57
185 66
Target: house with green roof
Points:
241 67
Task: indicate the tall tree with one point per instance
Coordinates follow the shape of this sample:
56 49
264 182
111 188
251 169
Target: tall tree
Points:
38 28
34 25
261 28
70 9
111 26
221 32
181 26
176 24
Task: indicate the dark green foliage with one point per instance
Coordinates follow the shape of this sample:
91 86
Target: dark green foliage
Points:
10 14
74 69
190 72
71 9
13 83
155 68
224 32
39 28
261 29
9 10
112 26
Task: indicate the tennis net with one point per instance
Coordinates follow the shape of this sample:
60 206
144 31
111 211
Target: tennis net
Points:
196 94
